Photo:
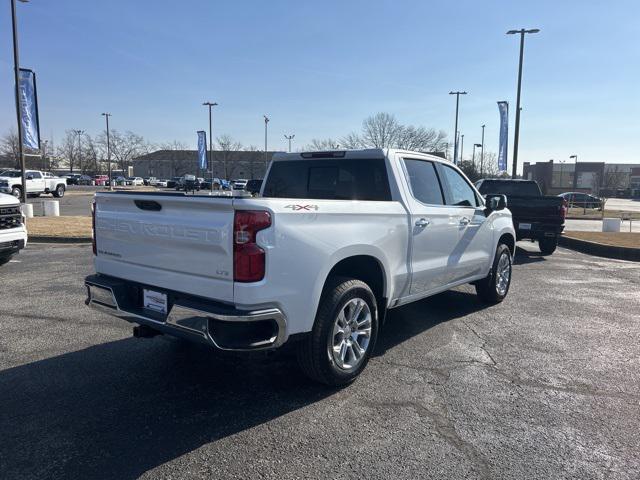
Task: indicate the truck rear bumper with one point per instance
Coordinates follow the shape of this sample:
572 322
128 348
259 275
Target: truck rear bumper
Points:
194 318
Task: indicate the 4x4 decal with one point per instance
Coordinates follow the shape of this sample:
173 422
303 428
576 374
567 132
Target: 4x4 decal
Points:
296 208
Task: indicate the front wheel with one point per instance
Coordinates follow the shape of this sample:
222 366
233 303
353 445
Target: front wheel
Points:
16 192
495 286
548 245
343 335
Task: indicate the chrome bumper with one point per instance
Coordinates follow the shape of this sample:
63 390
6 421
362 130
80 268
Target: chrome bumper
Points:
186 318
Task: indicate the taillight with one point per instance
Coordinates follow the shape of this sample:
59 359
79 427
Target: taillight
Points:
93 227
248 257
563 209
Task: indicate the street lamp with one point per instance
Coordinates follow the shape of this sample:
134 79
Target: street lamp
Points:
16 70
79 133
289 137
461 147
516 137
473 157
211 105
482 154
561 171
266 121
106 116
455 130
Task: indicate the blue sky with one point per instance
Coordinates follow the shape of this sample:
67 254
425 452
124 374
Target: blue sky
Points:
318 68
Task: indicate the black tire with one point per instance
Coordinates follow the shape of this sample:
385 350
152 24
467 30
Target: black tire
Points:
16 192
59 191
315 352
5 259
487 288
548 245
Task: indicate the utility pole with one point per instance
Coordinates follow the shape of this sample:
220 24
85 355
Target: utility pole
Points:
455 130
44 154
482 154
106 116
79 133
289 137
16 69
211 105
266 121
516 138
473 157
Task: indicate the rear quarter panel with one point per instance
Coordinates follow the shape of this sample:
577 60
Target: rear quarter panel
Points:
309 237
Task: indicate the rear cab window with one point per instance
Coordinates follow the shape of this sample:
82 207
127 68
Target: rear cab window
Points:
329 179
423 181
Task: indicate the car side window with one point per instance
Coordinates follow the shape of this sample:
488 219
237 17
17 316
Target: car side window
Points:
462 194
35 174
424 182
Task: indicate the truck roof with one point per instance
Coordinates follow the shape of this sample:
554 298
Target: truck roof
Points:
360 153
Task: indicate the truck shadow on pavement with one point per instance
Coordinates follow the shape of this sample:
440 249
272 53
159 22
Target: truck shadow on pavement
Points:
523 257
122 408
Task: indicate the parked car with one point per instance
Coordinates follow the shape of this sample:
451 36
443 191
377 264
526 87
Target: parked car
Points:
161 183
173 182
135 181
244 273
122 181
535 216
37 183
13 231
254 186
581 200
72 178
101 180
239 184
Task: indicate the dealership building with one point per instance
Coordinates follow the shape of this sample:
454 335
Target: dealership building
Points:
621 179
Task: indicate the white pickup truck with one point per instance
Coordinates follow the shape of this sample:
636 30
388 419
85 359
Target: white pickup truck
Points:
13 233
37 183
334 240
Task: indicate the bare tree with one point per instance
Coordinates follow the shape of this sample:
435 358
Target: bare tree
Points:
229 149
124 147
421 139
178 161
318 144
9 147
381 130
351 141
69 150
612 179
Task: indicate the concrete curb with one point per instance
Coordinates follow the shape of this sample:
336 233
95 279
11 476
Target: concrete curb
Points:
600 249
51 239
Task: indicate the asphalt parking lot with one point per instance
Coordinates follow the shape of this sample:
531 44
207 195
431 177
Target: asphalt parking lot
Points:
544 385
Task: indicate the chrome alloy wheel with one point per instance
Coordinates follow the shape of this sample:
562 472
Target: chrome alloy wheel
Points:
351 334
503 273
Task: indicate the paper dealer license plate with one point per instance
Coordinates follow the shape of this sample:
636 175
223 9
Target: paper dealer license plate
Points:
154 300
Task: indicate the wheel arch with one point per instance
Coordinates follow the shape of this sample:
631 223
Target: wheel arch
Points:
509 240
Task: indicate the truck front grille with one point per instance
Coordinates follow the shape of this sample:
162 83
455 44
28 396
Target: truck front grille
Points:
10 217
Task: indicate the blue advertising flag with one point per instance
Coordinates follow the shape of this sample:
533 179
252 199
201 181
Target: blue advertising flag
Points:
29 109
503 107
202 150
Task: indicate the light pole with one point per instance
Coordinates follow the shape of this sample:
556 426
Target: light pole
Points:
575 171
289 137
79 133
16 70
516 137
461 147
455 130
211 105
44 154
473 157
106 116
561 171
482 154
266 121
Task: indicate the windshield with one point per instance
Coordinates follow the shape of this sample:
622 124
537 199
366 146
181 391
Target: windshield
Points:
10 173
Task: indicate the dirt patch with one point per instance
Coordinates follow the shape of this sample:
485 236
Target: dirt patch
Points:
621 239
75 227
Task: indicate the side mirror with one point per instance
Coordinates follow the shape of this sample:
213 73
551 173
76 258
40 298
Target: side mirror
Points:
29 177
495 202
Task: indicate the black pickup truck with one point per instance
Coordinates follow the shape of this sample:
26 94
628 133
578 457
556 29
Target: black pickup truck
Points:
535 216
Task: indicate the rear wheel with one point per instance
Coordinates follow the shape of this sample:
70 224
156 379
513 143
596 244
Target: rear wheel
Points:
548 245
16 192
59 191
495 286
343 335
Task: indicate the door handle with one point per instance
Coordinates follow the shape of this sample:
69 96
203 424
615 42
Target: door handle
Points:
464 221
423 222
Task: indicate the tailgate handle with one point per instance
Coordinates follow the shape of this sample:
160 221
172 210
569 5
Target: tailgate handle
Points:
148 205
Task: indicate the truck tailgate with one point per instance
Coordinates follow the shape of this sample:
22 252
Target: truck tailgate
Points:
175 242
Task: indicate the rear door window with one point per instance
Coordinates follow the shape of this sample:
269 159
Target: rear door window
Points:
423 180
331 179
